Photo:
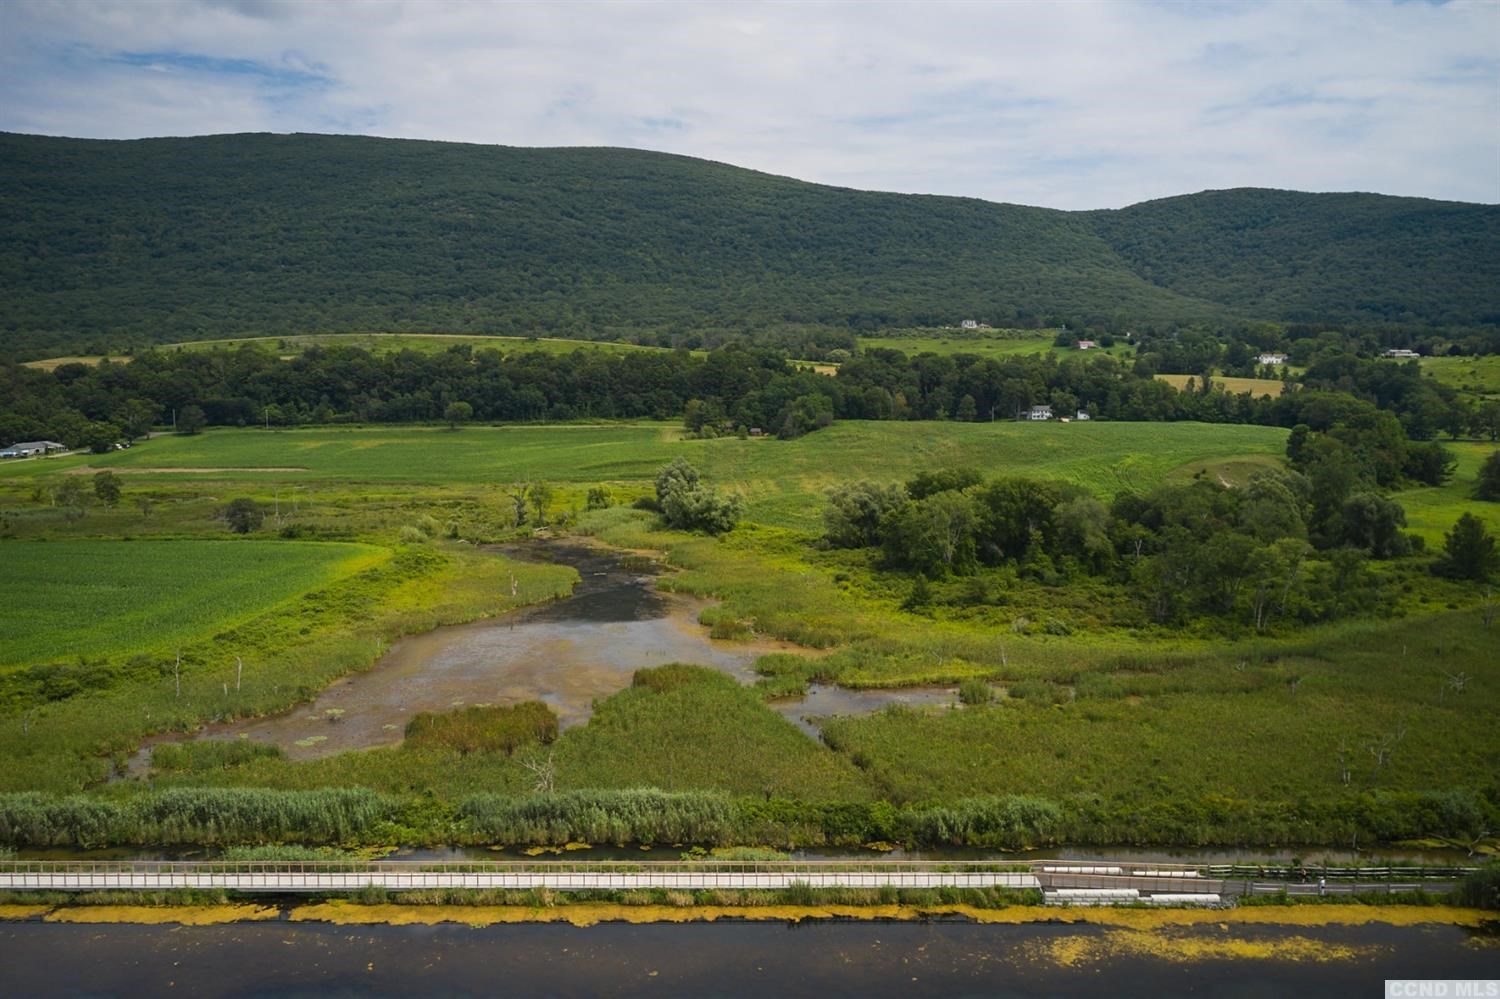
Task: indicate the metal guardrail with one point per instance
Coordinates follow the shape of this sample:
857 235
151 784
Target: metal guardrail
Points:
577 875
306 876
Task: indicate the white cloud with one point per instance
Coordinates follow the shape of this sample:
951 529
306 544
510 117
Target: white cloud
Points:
1072 105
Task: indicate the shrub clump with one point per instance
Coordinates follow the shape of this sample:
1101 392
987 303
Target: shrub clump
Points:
975 691
674 675
1481 889
687 504
636 815
490 729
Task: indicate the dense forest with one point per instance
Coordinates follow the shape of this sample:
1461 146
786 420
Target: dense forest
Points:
115 244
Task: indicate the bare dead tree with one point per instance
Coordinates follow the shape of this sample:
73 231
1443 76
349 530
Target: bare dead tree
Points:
1383 748
239 672
177 675
1343 757
543 772
1455 682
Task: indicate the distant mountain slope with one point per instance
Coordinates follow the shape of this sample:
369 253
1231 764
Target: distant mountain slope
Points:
167 239
1310 257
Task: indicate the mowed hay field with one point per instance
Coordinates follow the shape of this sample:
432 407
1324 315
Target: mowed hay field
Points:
1234 386
784 481
63 600
997 344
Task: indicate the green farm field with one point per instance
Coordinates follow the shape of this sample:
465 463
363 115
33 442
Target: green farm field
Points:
995 344
1478 376
1432 510
784 481
426 343
375 343
66 600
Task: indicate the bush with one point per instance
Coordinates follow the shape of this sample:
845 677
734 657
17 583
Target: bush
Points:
1008 823
688 505
1481 889
244 515
976 691
484 729
674 675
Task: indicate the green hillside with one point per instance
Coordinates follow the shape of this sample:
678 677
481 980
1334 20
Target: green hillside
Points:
108 243
1318 257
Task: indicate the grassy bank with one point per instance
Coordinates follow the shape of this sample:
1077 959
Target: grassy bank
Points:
71 724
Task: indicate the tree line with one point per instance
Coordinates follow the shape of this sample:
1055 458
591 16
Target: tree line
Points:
1386 412
1293 545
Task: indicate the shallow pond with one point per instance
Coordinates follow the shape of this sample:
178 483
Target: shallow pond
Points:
568 653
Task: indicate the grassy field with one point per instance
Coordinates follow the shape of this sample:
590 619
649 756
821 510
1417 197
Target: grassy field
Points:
997 344
62 601
784 481
76 723
1478 376
53 363
1235 386
1432 510
375 343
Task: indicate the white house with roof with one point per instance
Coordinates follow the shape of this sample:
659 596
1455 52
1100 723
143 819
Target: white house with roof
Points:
1270 359
1039 413
1401 353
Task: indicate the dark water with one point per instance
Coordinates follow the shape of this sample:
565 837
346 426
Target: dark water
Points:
716 959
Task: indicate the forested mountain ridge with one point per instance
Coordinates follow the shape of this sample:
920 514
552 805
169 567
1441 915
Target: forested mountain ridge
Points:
167 239
1308 258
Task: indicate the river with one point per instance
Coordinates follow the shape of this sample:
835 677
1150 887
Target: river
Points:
824 958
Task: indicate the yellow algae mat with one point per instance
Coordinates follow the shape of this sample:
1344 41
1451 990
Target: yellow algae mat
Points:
1135 919
1141 922
12 912
186 915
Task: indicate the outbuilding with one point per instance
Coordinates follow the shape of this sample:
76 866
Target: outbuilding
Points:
30 449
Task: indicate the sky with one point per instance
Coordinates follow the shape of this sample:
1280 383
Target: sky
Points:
1062 104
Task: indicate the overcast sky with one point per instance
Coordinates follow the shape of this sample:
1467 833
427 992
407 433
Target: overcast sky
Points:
1064 104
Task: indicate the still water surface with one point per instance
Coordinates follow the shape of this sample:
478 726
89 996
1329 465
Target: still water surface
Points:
729 959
